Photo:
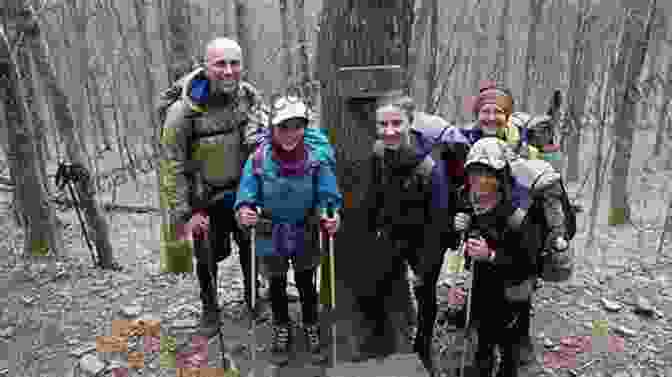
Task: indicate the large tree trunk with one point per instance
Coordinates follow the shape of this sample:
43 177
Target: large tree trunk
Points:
637 32
86 191
42 235
357 33
579 70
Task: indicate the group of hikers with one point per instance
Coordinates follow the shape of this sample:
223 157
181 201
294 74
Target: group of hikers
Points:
486 190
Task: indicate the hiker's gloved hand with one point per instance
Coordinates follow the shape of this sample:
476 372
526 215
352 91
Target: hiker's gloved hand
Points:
560 244
247 216
330 225
462 222
199 224
478 249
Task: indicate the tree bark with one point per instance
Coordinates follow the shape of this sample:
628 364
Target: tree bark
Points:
536 7
39 217
663 118
305 77
432 54
176 38
502 59
95 219
246 38
578 85
637 32
287 43
358 33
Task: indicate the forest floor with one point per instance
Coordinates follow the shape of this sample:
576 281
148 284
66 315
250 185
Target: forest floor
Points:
53 312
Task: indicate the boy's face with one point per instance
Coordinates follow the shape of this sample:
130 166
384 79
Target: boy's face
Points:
483 189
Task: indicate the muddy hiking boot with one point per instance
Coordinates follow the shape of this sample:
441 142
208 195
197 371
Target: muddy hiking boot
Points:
280 343
209 322
312 333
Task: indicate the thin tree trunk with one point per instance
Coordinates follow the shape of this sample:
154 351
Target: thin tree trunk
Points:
287 43
42 234
577 90
536 7
628 68
432 54
502 59
246 38
177 50
663 119
305 79
86 191
480 56
420 21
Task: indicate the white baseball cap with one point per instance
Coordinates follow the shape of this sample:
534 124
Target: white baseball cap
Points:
286 108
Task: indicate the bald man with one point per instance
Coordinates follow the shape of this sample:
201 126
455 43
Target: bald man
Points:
208 134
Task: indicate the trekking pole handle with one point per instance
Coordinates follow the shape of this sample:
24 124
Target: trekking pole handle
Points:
330 210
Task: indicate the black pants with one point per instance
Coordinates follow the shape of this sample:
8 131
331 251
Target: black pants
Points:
307 294
411 250
218 248
498 322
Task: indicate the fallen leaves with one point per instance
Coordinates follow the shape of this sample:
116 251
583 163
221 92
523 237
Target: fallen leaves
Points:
571 346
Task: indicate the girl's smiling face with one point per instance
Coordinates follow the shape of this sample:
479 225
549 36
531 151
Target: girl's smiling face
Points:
392 124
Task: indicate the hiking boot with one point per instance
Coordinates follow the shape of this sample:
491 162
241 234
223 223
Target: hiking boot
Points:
526 350
412 334
312 333
209 322
280 345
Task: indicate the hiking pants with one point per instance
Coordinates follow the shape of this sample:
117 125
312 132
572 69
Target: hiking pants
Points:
222 224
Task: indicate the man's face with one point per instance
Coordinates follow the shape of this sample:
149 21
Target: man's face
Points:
392 125
491 117
224 68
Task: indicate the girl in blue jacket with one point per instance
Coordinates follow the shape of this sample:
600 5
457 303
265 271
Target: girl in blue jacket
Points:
290 182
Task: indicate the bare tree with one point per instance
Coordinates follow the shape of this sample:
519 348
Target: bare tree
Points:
176 38
75 152
502 59
536 7
287 42
246 37
39 217
664 120
579 72
633 47
432 54
305 77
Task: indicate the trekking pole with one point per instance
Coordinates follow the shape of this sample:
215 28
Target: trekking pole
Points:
332 284
253 293
227 360
467 322
65 176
